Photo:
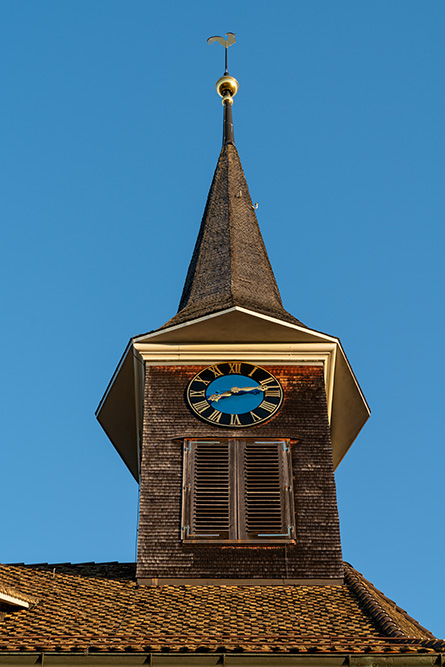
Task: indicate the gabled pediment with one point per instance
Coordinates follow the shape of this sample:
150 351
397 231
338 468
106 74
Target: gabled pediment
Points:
234 325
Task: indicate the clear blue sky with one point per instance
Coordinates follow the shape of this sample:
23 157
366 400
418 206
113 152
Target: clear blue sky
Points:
110 132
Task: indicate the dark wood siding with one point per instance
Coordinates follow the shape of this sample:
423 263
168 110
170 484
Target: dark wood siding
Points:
302 419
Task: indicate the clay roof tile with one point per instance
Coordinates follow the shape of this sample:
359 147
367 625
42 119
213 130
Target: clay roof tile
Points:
99 608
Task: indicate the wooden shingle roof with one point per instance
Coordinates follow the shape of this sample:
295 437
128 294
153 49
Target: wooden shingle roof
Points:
93 607
229 266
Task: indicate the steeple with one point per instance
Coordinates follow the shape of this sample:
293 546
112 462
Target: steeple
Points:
232 392
229 266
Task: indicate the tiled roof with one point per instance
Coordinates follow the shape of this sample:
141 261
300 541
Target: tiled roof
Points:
99 607
229 266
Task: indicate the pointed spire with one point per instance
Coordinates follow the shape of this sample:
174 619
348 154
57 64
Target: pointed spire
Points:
229 266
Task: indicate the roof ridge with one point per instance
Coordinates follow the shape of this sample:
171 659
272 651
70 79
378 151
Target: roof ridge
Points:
230 218
355 580
376 611
68 563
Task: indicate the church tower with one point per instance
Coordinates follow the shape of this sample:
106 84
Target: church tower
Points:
233 415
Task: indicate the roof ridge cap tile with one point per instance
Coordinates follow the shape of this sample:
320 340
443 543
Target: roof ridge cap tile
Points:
376 611
355 581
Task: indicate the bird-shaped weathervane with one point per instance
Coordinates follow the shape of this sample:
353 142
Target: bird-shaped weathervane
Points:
225 42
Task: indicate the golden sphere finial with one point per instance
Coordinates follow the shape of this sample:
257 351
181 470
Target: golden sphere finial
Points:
227 87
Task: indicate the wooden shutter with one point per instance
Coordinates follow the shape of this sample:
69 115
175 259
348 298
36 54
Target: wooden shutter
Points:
206 499
237 490
266 491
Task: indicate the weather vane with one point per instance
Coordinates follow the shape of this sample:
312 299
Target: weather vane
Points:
225 42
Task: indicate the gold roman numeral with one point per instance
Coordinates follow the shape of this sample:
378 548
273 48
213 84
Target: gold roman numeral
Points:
255 417
215 416
200 379
215 370
201 406
255 368
269 407
235 367
234 420
192 393
272 392
265 383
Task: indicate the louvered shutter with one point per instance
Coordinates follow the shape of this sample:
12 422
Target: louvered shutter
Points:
266 491
207 490
237 490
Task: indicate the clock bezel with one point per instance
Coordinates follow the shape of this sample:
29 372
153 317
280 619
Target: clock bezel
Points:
195 395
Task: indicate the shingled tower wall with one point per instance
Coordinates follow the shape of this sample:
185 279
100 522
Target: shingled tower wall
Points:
316 553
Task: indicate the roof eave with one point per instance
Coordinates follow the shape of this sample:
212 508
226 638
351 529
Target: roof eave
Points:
209 659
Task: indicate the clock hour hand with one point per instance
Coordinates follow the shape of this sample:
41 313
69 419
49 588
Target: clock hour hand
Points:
234 391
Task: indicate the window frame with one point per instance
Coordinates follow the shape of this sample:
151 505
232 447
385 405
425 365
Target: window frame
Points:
237 512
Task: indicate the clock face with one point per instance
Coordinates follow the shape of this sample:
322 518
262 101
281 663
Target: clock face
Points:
234 394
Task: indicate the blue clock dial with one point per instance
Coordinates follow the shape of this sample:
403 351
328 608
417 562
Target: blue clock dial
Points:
235 394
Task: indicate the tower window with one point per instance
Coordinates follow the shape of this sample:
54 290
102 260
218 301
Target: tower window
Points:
237 490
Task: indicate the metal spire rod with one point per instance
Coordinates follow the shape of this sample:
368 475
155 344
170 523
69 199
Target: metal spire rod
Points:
228 133
226 87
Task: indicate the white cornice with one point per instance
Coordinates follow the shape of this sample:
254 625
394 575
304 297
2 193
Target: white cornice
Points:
188 352
318 354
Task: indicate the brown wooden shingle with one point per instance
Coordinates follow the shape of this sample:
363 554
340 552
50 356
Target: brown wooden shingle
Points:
229 266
